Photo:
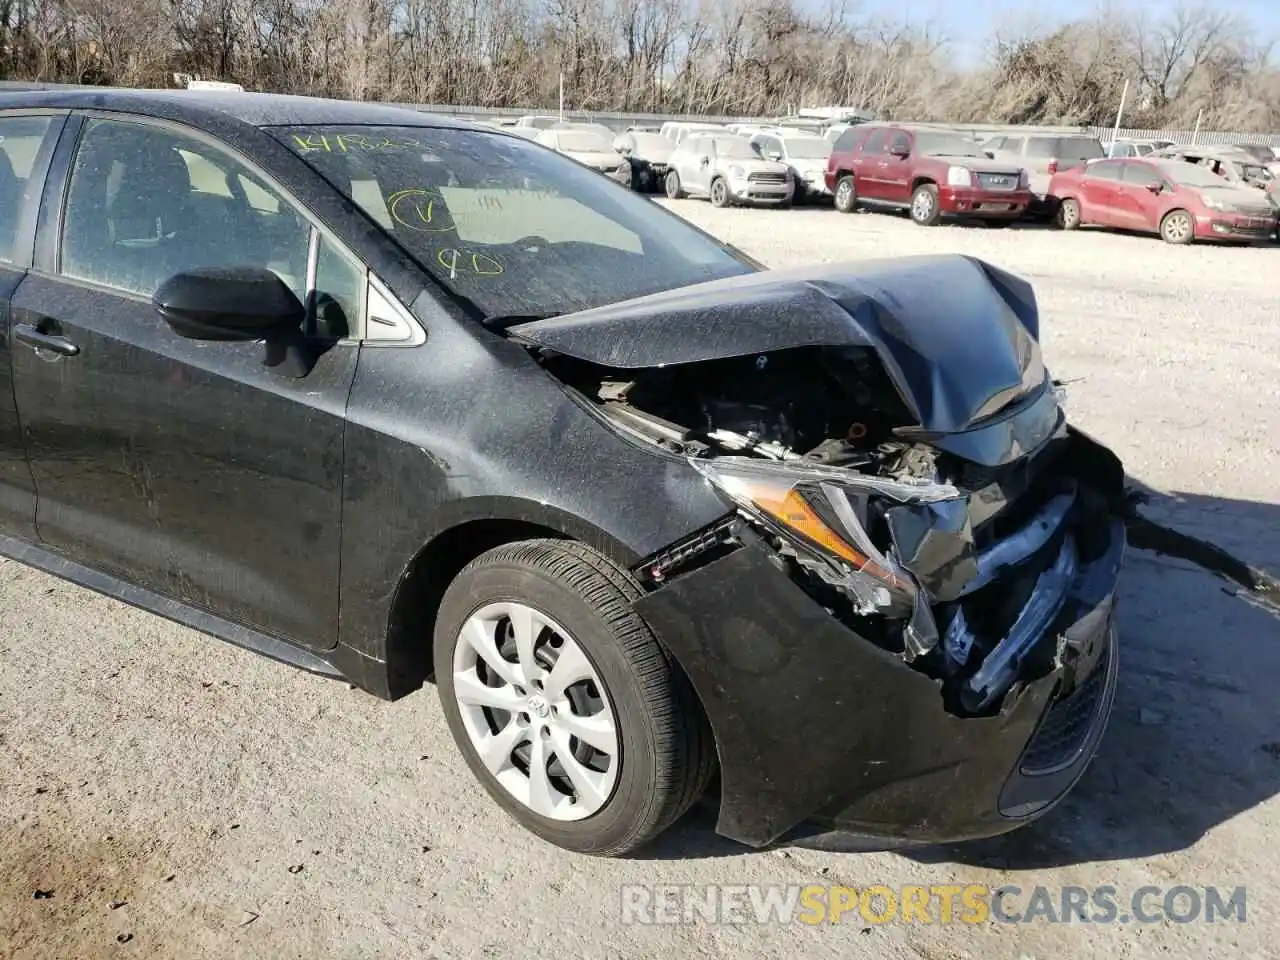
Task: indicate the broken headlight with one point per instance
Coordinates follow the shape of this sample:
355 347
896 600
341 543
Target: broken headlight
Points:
821 513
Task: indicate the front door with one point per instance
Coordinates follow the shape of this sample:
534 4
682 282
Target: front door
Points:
25 145
896 169
186 467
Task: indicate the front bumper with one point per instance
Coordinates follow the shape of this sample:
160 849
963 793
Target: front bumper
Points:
766 192
968 201
817 725
1226 226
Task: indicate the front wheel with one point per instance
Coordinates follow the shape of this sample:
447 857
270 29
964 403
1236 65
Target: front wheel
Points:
924 205
565 706
1177 228
719 193
673 186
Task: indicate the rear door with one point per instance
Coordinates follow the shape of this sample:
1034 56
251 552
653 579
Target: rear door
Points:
26 144
1099 194
185 467
868 165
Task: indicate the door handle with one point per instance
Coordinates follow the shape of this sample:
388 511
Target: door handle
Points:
45 341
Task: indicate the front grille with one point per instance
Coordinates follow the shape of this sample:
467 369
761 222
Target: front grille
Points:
998 181
1066 725
778 178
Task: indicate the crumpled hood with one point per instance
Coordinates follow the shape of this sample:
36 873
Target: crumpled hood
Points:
956 335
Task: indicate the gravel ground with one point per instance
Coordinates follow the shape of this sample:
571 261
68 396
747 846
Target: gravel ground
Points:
181 798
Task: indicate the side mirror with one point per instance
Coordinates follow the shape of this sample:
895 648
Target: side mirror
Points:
705 161
773 155
1156 187
990 154
239 304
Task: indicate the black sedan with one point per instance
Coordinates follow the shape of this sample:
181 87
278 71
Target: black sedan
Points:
395 398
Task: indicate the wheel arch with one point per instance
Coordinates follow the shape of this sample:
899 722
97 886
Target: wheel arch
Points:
470 529
920 180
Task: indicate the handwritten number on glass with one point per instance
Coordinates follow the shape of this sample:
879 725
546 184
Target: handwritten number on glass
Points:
468 262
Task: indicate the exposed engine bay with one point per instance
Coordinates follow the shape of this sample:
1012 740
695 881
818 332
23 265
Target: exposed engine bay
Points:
958 566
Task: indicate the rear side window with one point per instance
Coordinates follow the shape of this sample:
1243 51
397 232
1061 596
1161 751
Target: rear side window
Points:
1079 148
1042 147
20 139
847 140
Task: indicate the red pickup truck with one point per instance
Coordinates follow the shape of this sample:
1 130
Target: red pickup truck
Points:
929 171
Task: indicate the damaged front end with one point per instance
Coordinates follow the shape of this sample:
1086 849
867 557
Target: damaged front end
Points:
898 453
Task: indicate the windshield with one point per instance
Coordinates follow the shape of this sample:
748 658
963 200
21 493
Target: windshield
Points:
734 148
947 145
807 148
509 226
583 141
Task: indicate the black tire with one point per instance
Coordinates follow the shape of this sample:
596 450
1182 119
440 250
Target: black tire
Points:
1177 228
1067 216
667 753
672 185
997 223
719 193
846 194
924 205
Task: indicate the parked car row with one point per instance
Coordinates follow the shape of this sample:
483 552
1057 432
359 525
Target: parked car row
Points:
1181 193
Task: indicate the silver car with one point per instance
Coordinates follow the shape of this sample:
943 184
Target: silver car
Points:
586 146
1042 155
806 156
727 171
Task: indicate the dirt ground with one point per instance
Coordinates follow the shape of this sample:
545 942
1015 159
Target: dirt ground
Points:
177 797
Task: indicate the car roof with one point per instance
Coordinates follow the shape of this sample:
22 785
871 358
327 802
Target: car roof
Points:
205 108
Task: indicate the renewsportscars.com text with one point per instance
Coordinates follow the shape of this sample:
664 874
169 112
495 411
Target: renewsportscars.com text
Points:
816 904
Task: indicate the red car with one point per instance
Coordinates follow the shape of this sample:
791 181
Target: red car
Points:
932 173
1178 200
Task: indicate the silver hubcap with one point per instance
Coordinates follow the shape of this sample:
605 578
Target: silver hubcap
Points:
536 711
717 192
923 205
1069 212
843 193
1177 227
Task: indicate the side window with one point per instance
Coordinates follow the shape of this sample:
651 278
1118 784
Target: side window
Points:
20 139
875 142
145 203
1104 170
337 300
901 143
999 143
1042 147
1139 174
847 140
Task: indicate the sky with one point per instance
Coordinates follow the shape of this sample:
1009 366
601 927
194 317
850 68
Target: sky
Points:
969 24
